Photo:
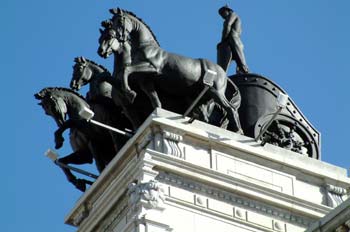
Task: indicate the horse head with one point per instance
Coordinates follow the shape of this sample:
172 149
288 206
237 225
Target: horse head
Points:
109 40
81 73
53 105
130 27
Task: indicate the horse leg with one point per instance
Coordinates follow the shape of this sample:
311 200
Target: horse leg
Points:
148 88
232 113
143 68
102 151
77 157
129 113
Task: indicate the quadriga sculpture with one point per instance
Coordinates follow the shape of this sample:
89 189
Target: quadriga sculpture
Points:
145 62
88 141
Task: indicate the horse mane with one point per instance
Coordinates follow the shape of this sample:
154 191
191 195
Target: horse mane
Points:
98 65
143 22
47 90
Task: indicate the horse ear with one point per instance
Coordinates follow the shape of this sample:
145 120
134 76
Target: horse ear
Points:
103 24
38 96
107 24
117 11
83 59
114 11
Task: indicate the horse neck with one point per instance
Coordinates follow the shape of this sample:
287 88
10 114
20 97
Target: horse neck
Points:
99 87
74 104
96 71
140 33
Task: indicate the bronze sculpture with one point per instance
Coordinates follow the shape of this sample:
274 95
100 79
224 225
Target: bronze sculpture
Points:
231 46
103 89
88 142
143 59
145 77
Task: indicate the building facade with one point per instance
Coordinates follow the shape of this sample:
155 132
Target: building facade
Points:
193 177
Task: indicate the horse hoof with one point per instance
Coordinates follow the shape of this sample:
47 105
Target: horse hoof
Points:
80 184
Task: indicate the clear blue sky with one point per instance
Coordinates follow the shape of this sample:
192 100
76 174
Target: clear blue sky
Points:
301 45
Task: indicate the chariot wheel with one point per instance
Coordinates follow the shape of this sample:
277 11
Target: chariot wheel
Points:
287 132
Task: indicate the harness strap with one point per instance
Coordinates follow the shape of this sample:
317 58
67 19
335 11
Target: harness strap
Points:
209 75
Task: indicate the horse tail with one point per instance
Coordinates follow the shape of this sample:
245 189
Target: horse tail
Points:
230 91
232 94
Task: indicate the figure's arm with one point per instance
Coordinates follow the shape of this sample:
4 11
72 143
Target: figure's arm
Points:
237 26
228 23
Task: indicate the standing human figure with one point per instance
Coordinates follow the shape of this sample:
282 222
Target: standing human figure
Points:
231 47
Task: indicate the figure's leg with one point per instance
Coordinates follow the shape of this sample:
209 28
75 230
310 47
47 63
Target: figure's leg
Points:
238 55
224 55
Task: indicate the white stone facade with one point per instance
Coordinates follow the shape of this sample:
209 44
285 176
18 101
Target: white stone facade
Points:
181 177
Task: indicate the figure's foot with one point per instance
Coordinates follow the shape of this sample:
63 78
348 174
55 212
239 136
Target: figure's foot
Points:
242 70
130 95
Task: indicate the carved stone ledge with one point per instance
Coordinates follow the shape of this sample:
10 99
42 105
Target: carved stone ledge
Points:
335 195
230 198
168 143
81 215
116 215
151 194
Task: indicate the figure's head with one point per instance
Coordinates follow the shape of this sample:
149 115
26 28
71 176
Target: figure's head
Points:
53 106
108 40
225 11
81 73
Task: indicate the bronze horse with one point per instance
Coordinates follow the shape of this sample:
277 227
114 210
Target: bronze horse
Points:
152 67
88 142
103 89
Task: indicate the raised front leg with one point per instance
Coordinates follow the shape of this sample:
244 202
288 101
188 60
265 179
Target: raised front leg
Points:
58 134
134 68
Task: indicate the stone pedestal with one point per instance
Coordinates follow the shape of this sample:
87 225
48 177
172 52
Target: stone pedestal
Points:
181 177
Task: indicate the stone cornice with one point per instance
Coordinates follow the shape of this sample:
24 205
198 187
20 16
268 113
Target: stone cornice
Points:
218 136
238 186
